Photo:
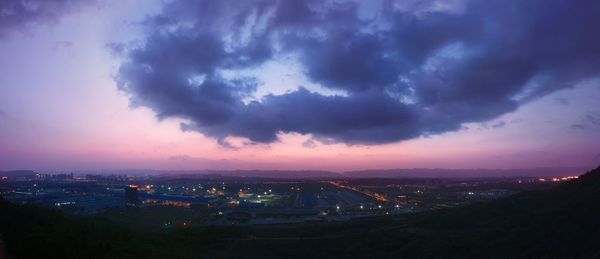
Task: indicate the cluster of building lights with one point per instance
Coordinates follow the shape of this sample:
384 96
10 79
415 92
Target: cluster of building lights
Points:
556 179
58 204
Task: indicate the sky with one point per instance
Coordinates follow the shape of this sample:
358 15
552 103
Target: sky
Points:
298 84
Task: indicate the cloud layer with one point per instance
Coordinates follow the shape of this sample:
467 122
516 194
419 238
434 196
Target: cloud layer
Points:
16 15
404 69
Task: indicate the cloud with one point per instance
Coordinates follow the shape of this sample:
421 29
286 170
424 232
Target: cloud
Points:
593 118
411 70
590 120
562 101
17 15
578 126
60 45
500 124
309 144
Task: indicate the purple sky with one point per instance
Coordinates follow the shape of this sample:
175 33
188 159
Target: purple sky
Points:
266 84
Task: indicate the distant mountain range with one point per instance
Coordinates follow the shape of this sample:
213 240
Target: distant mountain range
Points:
316 174
466 173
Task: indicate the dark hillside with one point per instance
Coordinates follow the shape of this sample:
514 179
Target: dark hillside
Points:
560 223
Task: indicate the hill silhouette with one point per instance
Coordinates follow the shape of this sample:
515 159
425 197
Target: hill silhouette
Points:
558 223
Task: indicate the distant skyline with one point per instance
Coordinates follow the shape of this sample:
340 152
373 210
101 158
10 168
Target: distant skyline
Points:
336 85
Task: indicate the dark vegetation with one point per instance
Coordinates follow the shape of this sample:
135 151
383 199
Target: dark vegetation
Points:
563 222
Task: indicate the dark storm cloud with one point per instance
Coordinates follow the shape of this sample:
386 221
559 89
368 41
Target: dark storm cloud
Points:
15 15
404 73
348 118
